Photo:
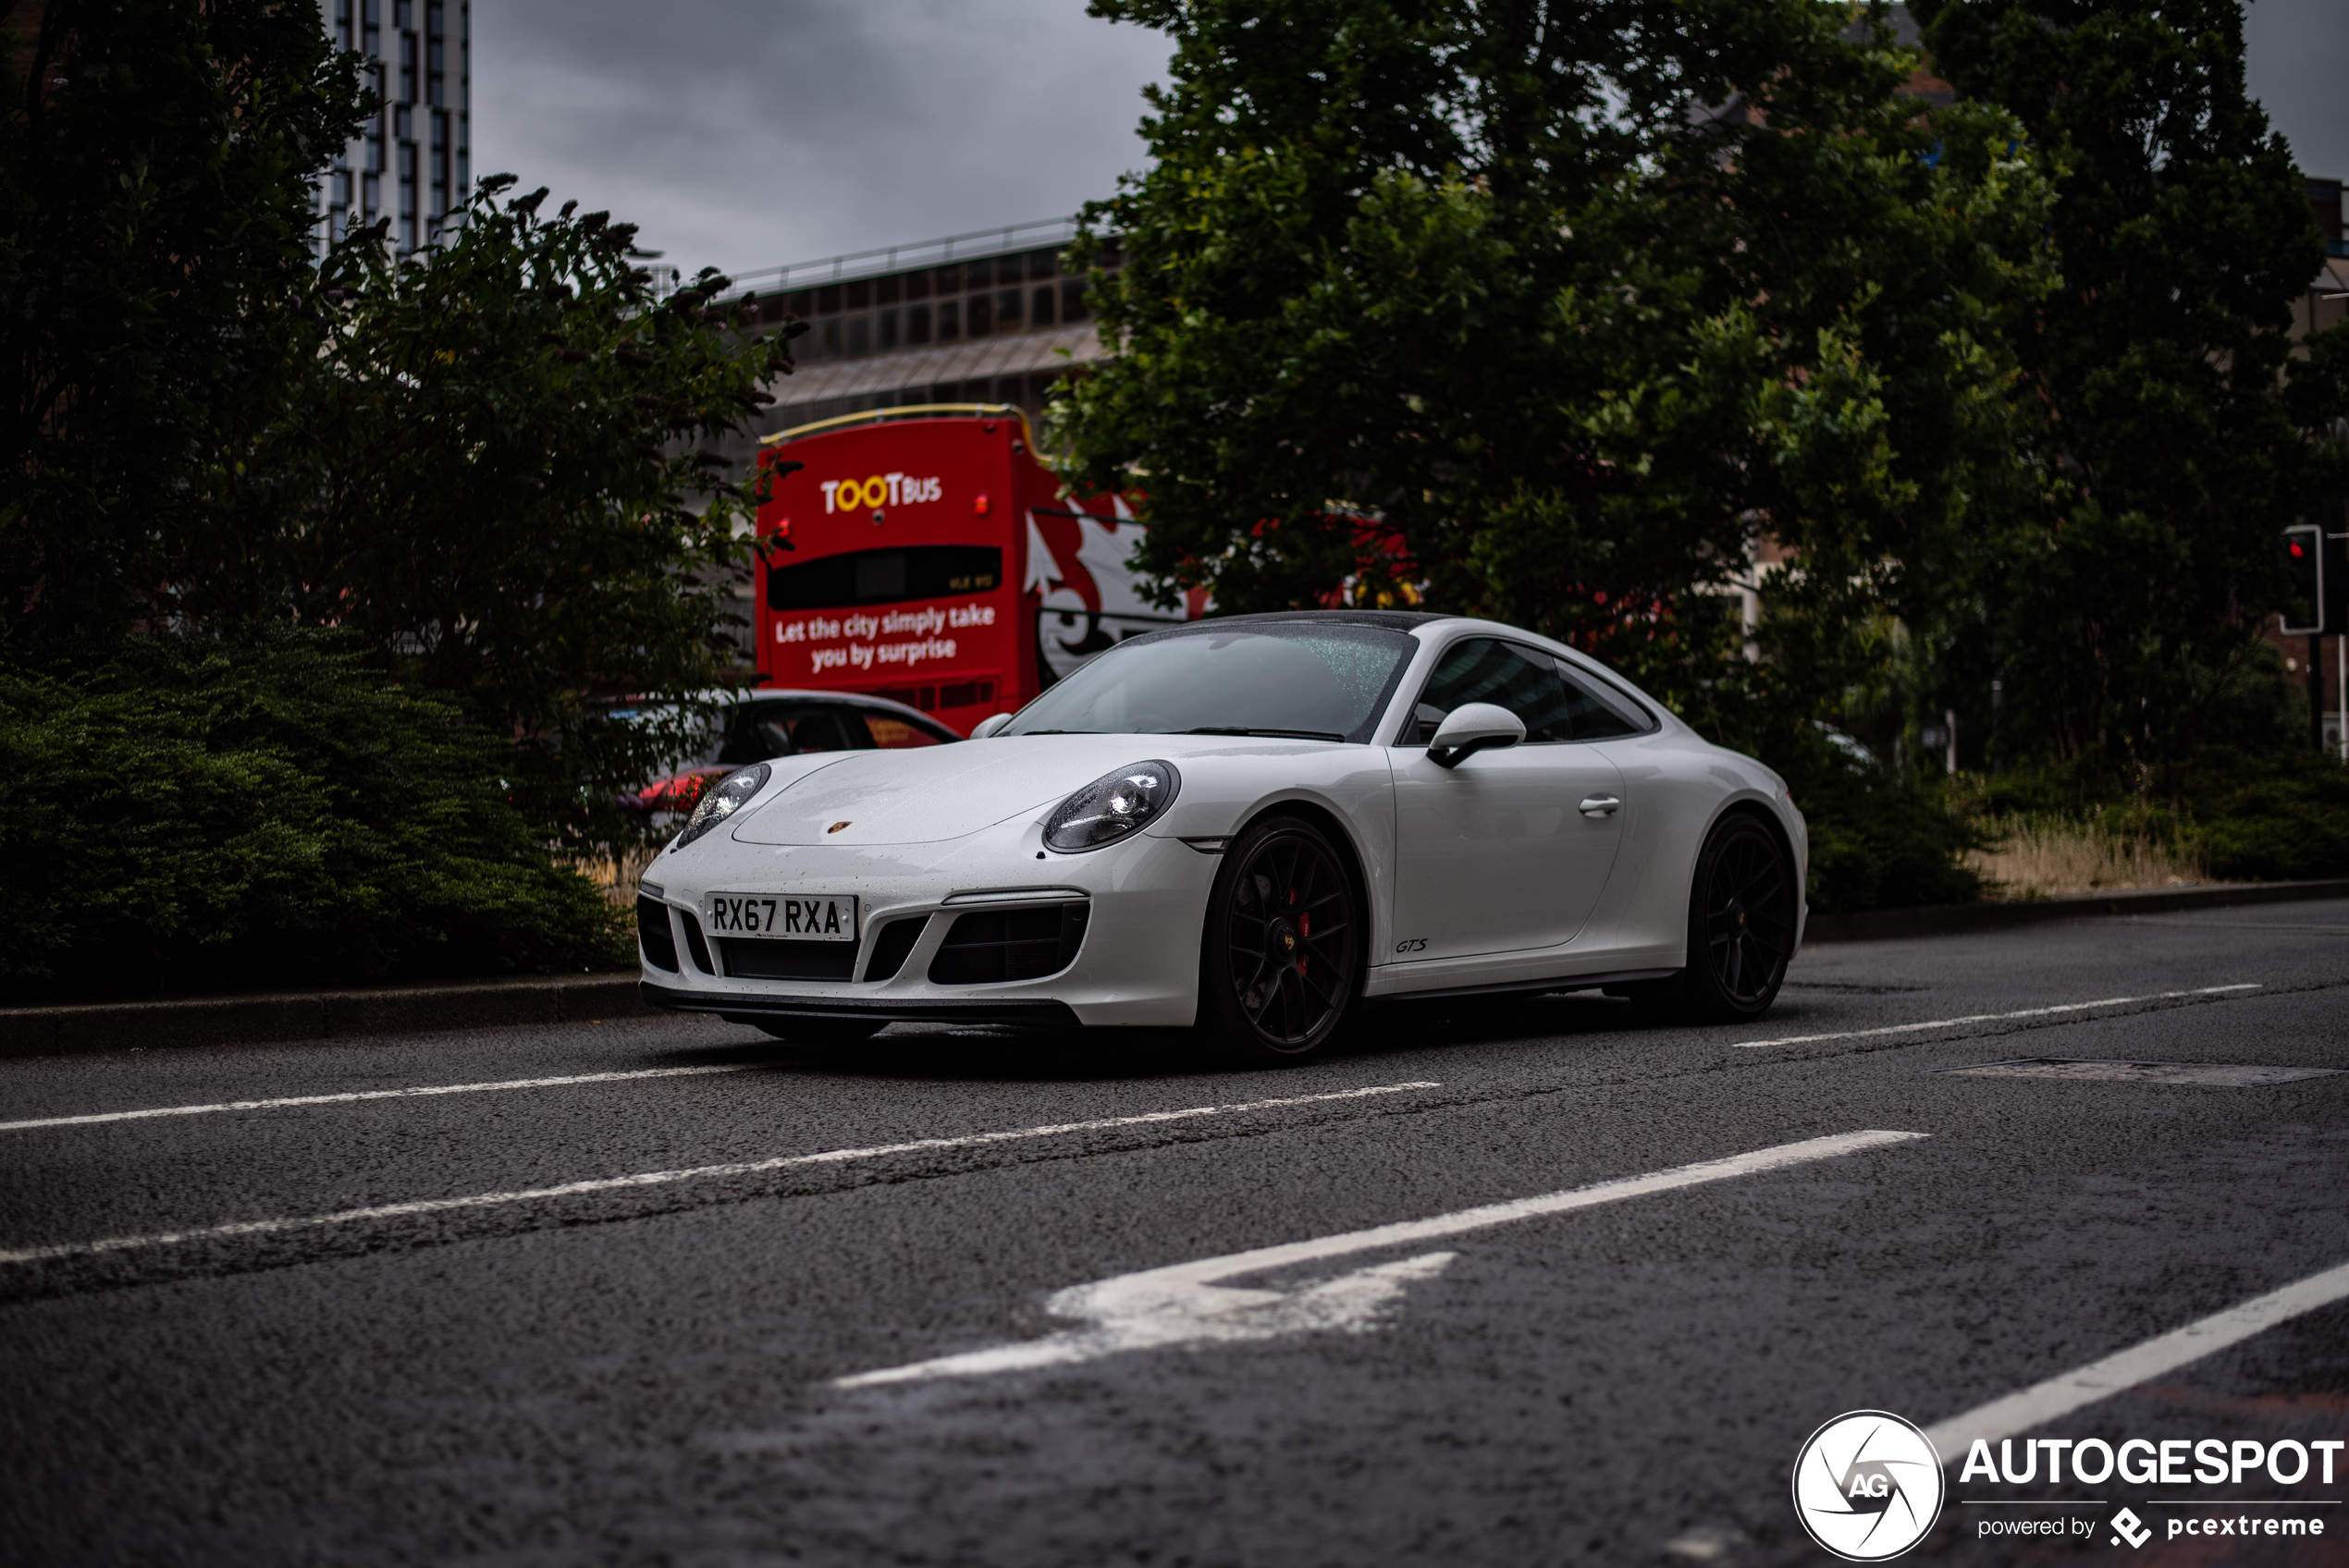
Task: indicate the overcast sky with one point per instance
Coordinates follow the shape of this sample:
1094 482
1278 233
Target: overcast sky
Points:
747 133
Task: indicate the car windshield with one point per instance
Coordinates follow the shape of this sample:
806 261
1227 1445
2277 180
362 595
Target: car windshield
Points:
1303 680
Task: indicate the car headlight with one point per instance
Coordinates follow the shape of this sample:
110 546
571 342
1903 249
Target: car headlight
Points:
722 799
1112 806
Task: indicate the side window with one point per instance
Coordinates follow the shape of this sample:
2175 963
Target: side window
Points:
1485 669
892 734
739 745
783 730
1601 712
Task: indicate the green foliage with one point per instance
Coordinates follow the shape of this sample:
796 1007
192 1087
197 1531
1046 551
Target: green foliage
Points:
154 256
2273 817
2176 428
2257 814
196 816
1474 270
1878 839
485 469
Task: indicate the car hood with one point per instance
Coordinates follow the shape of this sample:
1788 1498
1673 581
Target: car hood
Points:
922 795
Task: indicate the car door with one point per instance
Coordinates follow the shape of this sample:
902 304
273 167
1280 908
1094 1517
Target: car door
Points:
1511 849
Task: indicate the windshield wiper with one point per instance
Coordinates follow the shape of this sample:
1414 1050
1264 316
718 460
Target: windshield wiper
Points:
1272 734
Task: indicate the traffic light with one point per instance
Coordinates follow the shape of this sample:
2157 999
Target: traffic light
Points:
2304 605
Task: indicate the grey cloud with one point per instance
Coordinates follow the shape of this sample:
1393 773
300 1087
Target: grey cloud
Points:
2296 60
745 133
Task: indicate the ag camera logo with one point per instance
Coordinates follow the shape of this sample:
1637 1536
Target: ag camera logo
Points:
1868 1485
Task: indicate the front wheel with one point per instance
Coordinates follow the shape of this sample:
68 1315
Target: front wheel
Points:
1280 960
1741 913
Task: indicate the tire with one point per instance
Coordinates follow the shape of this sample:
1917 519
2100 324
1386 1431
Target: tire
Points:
1741 929
1282 957
820 1031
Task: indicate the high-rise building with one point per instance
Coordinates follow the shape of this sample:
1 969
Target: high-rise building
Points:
413 161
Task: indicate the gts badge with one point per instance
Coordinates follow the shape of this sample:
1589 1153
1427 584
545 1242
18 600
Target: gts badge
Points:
1411 945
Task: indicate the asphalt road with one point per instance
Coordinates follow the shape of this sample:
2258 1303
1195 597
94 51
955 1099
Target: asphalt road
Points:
606 1322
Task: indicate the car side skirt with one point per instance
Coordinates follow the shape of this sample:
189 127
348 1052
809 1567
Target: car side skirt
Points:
1532 987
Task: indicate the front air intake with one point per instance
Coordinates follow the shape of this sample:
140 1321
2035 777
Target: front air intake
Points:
990 946
695 943
894 945
654 935
750 958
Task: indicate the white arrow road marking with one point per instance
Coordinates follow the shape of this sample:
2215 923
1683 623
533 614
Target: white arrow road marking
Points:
2043 1403
1994 1017
670 1178
1183 1303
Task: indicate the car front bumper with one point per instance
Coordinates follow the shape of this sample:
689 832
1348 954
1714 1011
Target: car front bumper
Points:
1137 963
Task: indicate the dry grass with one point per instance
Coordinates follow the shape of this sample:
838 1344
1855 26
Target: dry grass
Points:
613 878
2038 857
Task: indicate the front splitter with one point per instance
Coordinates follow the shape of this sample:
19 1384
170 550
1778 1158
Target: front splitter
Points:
1034 1011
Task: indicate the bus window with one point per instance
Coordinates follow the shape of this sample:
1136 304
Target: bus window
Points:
883 576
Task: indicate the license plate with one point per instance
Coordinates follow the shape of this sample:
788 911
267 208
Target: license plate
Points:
803 917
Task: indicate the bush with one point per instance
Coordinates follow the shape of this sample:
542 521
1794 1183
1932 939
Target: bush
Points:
205 817
2273 817
1879 841
2247 816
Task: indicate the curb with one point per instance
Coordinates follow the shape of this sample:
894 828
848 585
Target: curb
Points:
288 1016
1958 919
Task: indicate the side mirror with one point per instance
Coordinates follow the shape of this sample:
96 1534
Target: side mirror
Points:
988 724
1472 727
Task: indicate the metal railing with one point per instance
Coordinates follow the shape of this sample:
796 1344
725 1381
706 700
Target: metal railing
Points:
927 253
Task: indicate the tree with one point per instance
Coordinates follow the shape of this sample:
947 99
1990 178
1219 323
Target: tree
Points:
2178 425
487 471
1490 273
155 160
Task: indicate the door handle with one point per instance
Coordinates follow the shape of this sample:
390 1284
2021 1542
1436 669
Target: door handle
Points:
1600 805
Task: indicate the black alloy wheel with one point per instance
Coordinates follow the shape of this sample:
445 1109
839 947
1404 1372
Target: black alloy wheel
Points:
1740 927
1280 960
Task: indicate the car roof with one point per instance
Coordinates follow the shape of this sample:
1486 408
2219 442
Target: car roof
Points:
1393 620
854 699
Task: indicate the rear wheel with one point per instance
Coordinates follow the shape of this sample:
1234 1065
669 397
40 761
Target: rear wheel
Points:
820 1031
1282 956
1740 928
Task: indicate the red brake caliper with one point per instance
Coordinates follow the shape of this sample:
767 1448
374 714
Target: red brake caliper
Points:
1305 928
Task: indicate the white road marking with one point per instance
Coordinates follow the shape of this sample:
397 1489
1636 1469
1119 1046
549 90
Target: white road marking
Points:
1993 1017
2035 1406
2232 925
1182 1305
358 1094
668 1178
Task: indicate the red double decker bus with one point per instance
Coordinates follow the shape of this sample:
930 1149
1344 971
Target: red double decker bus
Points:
924 555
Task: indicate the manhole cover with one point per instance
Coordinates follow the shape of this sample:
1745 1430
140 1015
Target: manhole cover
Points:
2222 1075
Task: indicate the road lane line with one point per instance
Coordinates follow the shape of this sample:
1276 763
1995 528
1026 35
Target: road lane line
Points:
1993 1017
1182 1305
358 1094
2043 1403
667 1178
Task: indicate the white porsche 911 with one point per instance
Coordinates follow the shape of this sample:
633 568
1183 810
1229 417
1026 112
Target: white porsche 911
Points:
1249 824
